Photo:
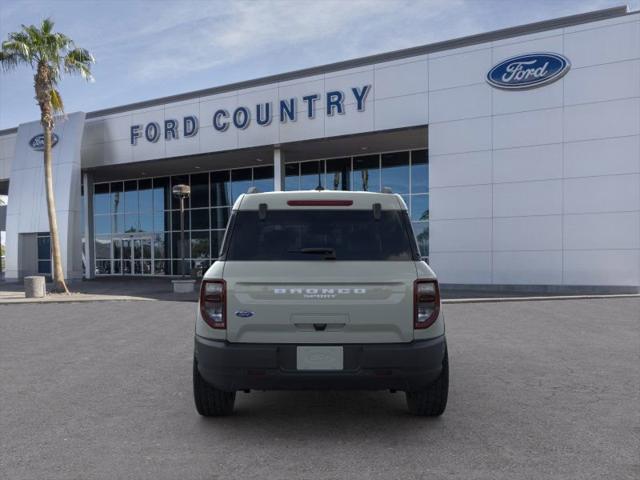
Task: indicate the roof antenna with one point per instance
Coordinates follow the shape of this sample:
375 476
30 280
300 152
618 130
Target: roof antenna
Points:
319 187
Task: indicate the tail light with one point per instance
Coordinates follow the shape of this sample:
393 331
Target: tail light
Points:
426 303
213 295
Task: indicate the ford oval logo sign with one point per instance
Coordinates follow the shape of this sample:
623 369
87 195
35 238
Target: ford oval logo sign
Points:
528 71
37 142
244 314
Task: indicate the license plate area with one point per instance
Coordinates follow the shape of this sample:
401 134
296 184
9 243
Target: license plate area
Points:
319 358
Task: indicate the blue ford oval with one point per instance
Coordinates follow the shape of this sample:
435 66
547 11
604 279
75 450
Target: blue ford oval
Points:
244 314
528 71
37 142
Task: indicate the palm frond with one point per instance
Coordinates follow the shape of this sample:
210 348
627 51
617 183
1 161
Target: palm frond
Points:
79 61
56 101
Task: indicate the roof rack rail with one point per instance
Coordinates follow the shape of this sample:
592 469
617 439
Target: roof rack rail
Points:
253 190
387 190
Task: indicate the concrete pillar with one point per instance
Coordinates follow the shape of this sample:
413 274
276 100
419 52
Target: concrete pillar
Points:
278 170
89 255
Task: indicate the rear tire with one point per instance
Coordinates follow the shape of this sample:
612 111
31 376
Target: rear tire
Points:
432 401
210 402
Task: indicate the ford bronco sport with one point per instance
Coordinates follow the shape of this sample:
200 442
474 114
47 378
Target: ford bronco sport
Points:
320 290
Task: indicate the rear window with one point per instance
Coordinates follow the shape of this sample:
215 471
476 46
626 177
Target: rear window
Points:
320 235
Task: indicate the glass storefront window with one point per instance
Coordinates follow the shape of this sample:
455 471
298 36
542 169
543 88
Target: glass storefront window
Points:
220 189
366 173
292 176
216 242
263 178
145 195
102 224
101 199
339 174
311 175
131 203
419 171
421 231
161 194
103 247
219 217
175 220
200 245
161 221
200 219
117 192
131 223
146 222
420 207
240 182
200 190
395 171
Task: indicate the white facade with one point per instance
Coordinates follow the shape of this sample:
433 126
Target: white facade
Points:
527 187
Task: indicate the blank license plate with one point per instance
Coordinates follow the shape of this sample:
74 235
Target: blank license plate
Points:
320 358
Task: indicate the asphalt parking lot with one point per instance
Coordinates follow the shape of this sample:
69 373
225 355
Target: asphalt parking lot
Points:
540 390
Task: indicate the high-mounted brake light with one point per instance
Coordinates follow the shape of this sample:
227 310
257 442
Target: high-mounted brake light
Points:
426 303
213 296
319 203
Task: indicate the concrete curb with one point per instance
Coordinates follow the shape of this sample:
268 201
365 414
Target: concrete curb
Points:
537 299
75 299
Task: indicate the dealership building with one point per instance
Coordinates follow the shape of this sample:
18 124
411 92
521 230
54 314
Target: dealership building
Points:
516 151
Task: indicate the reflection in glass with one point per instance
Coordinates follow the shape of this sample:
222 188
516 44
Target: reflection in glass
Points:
200 244
292 176
263 178
126 267
131 222
102 224
162 267
311 175
103 247
175 220
339 174
419 171
220 191
219 217
44 266
161 194
366 173
420 207
216 242
421 231
131 203
200 219
395 171
160 241
101 198
117 198
117 248
200 190
117 267
160 222
103 267
146 222
145 195
240 182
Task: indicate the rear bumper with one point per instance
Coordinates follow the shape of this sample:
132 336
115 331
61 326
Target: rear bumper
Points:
398 366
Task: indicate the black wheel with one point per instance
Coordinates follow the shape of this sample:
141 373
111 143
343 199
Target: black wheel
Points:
211 402
432 401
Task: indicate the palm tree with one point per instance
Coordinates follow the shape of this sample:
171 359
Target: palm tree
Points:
49 54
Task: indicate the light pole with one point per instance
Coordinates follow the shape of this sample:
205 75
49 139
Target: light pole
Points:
182 192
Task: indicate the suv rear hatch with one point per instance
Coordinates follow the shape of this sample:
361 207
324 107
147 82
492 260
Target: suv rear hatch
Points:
320 276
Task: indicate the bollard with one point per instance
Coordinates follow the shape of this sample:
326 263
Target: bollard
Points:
34 287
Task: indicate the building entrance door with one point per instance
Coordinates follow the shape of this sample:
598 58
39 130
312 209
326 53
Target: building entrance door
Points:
134 254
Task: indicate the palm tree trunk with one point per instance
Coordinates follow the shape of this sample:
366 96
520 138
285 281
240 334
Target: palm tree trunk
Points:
59 284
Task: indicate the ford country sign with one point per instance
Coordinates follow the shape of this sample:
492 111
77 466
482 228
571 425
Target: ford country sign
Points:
37 142
528 71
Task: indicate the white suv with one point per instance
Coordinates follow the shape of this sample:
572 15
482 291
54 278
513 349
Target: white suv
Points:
320 290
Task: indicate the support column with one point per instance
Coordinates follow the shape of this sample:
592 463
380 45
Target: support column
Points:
278 170
87 204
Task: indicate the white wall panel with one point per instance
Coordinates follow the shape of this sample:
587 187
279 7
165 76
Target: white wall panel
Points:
616 193
460 235
548 41
602 82
601 120
527 128
472 168
602 267
603 45
401 112
345 82
212 140
462 267
527 268
459 103
527 198
549 96
540 232
460 202
602 231
351 122
608 156
460 136
456 70
540 162
303 129
398 80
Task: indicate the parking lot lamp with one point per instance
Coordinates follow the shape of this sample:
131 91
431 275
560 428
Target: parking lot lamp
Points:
182 192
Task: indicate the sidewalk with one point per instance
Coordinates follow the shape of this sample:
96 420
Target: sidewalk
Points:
103 289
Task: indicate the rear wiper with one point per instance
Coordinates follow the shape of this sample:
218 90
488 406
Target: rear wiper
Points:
330 253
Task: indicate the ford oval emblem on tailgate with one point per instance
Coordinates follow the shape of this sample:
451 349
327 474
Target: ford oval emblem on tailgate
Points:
244 314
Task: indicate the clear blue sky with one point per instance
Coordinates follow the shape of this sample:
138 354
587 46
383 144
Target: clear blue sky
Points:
149 49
